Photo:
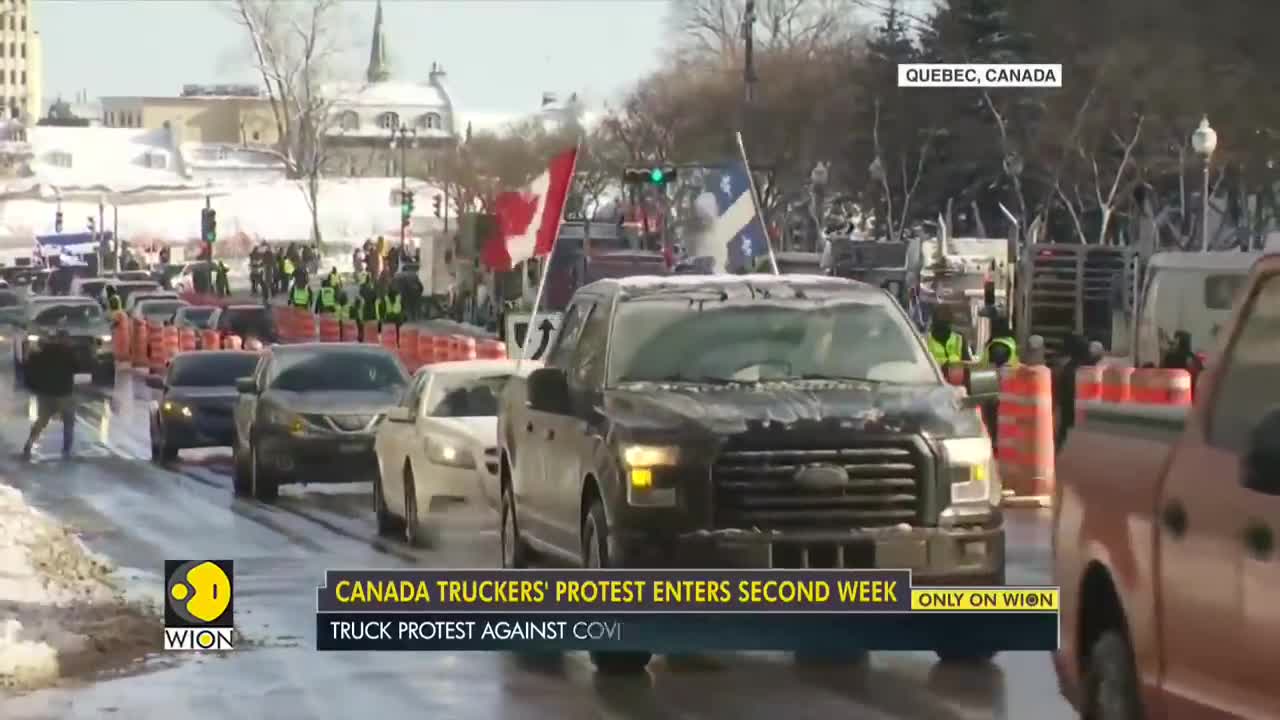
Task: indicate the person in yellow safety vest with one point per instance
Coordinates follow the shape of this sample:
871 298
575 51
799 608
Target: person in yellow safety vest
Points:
334 279
945 344
300 296
392 308
1002 350
326 300
341 310
113 300
288 267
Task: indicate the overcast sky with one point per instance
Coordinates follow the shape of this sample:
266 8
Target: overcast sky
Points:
500 54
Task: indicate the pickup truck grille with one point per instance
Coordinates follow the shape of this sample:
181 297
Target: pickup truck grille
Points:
758 489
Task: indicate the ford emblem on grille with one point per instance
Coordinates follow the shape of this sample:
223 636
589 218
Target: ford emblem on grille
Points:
822 476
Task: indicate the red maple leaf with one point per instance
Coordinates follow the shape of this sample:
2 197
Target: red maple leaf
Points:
515 212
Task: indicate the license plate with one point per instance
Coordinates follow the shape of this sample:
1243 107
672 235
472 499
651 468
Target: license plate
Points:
351 448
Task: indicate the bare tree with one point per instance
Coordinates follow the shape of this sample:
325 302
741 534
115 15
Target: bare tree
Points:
713 28
907 173
294 48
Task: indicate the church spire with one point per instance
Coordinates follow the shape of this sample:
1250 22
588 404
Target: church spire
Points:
379 68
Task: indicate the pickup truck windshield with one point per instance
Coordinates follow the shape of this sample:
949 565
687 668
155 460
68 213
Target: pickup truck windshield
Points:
672 340
78 314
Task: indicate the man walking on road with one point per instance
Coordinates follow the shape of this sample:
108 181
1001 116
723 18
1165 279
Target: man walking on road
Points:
51 374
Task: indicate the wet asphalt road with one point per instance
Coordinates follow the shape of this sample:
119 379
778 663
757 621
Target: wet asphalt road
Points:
139 514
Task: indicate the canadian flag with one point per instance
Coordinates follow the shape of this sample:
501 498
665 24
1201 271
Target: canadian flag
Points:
528 219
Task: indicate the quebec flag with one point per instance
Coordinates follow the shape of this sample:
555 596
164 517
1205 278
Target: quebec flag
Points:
734 234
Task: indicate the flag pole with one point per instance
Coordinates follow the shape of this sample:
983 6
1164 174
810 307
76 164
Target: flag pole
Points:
755 200
555 240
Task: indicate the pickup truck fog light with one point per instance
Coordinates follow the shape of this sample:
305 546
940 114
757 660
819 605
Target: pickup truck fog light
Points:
642 478
640 461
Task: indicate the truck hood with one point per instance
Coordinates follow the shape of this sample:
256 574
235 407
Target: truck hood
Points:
841 406
336 402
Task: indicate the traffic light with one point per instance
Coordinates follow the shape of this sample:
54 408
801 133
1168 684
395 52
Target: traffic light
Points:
659 175
435 205
92 225
57 222
209 225
406 205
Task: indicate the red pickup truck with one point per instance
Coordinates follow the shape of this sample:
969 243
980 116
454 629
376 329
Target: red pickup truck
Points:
1164 539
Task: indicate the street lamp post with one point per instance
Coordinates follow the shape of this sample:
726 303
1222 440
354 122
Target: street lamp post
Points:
403 137
102 230
1204 141
818 179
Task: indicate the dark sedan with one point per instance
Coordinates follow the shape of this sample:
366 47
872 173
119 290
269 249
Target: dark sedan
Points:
308 415
197 398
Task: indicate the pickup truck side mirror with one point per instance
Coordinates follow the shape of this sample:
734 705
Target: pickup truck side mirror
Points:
1260 465
983 385
399 415
246 386
155 381
548 389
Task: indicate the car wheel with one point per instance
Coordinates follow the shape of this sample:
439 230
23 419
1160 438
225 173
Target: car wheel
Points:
266 487
241 475
388 525
155 441
595 556
515 554
412 525
1111 680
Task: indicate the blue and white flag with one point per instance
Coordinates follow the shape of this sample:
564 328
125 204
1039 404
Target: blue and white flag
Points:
735 235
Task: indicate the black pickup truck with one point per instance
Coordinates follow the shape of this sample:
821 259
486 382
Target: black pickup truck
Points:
750 421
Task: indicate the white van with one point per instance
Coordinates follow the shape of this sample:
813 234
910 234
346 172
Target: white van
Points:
1191 291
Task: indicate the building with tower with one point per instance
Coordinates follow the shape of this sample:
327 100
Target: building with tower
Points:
365 116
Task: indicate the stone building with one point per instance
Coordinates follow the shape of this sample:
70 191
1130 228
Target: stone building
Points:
367 118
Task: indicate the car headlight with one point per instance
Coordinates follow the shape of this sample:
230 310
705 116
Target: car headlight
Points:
173 408
33 338
640 462
443 452
969 464
105 338
285 420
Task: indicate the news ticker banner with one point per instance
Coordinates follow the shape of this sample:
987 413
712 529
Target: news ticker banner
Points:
675 611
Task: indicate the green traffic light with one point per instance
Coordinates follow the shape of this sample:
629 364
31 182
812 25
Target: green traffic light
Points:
656 175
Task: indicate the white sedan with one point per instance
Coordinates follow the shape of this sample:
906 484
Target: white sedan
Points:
438 448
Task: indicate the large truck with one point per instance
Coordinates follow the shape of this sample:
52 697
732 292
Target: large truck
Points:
589 251
893 266
750 421
1164 537
1062 289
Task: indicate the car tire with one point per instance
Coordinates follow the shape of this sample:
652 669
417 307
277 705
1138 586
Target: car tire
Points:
266 486
241 475
595 556
388 525
1111 680
515 554
414 535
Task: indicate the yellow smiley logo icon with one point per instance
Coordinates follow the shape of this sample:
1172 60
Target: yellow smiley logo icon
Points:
206 592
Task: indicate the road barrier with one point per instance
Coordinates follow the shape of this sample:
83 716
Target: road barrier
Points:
1024 432
120 342
1116 380
187 340
1157 386
155 348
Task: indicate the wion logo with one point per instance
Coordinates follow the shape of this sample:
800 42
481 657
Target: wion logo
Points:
198 605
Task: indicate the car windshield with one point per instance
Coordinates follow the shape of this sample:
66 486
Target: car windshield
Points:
9 299
454 395
134 275
1221 291
690 340
252 322
211 369
160 309
329 370
78 314
92 289
196 317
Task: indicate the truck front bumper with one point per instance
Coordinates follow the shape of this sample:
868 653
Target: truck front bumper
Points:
941 556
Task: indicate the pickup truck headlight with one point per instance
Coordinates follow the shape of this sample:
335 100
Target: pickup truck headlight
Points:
640 462
969 465
172 408
442 452
33 339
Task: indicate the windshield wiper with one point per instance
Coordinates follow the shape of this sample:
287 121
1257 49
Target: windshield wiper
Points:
701 380
823 376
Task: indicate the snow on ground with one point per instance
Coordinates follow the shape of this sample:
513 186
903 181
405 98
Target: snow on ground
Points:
60 611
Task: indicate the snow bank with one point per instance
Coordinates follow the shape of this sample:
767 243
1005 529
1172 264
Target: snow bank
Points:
59 610
351 210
